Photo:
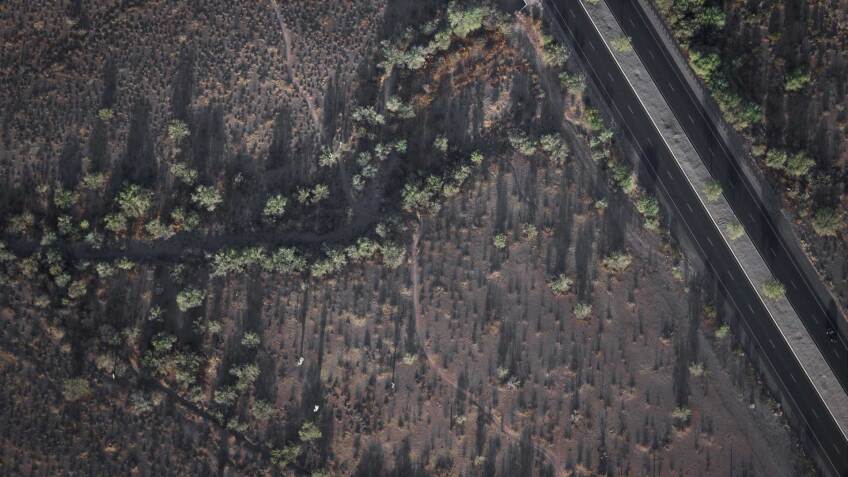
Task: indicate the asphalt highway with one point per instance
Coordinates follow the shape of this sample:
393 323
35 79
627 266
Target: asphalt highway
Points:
573 21
759 224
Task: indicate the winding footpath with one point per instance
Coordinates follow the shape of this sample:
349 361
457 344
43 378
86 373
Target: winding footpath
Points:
290 60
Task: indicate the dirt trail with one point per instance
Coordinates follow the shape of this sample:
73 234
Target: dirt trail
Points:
497 421
290 60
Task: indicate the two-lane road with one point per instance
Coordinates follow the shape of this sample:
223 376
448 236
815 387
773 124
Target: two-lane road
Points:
738 190
574 22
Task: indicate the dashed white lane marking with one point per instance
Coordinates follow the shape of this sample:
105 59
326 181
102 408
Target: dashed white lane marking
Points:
730 275
792 376
593 46
710 242
751 308
630 109
668 173
691 120
772 344
671 86
610 77
690 208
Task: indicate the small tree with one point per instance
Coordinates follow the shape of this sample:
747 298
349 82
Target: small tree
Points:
105 114
189 299
275 208
573 83
522 143
309 432
328 157
184 173
799 165
319 193
135 201
797 80
250 340
441 144
556 148
826 222
561 285
776 159
177 131
582 310
617 262
207 197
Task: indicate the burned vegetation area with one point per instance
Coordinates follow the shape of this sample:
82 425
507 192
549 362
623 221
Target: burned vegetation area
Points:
344 238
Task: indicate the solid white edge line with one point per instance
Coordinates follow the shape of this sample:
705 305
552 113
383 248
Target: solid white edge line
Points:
734 165
756 290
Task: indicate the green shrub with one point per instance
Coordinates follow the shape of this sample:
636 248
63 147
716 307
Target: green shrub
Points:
573 83
189 299
799 165
441 144
555 55
250 340
561 285
776 159
368 115
178 130
735 231
184 173
275 208
622 44
262 410
328 157
500 241
797 80
207 197
773 289
617 262
309 432
826 222
116 223
522 143
245 375
556 148
401 109
464 21
594 119
582 310
713 190
135 201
